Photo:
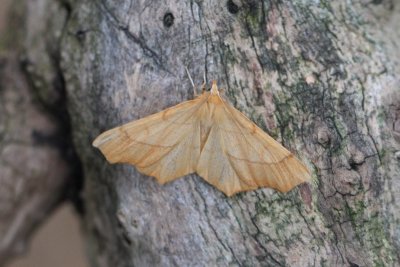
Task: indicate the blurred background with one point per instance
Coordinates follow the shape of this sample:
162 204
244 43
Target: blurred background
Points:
58 242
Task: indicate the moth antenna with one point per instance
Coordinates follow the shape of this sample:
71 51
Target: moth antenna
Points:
191 80
204 84
204 78
203 87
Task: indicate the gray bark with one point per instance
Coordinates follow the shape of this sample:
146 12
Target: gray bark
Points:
321 77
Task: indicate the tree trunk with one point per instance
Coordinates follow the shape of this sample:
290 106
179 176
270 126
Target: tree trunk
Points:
321 77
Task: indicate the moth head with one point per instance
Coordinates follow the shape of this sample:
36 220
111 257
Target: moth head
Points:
214 88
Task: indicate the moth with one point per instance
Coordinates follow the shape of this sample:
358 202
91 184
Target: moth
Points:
209 137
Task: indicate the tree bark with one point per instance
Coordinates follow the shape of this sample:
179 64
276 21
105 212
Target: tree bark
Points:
321 77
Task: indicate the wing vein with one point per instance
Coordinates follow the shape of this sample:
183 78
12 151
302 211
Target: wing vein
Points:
241 132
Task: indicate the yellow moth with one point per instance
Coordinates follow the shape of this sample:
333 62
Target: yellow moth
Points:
208 136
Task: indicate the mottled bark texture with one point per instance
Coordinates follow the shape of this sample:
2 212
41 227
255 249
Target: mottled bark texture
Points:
322 77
